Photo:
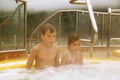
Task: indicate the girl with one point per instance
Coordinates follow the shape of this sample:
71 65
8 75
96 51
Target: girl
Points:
72 55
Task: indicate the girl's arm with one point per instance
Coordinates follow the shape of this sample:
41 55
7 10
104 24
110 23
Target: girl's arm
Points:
64 59
81 58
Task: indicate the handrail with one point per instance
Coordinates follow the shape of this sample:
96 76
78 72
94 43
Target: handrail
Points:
22 3
90 10
10 17
94 25
110 10
59 11
55 13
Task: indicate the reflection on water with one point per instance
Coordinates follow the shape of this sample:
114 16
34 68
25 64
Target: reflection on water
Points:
91 70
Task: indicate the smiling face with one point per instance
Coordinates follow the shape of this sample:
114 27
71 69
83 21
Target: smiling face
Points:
49 37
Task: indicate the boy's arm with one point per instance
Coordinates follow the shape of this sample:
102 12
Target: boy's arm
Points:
64 59
31 59
57 62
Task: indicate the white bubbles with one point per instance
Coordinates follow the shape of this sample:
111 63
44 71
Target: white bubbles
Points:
91 70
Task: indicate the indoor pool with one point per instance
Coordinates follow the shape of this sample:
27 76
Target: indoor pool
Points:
91 70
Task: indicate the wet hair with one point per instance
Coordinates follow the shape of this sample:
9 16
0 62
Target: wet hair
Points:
73 37
46 27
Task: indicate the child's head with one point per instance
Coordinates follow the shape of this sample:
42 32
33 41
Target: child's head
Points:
48 33
74 41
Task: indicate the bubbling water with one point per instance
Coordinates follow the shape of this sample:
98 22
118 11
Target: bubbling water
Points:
91 70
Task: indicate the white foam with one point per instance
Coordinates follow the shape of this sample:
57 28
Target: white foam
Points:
101 70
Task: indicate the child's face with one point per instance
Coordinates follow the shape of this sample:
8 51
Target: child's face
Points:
75 46
49 37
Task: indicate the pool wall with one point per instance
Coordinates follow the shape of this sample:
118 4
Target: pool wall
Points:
12 54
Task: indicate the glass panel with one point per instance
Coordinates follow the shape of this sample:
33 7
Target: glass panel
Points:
84 26
115 30
67 26
12 32
104 30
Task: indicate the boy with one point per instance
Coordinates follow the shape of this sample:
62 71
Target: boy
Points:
45 53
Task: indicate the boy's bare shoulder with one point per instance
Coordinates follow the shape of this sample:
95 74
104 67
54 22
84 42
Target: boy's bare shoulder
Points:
37 47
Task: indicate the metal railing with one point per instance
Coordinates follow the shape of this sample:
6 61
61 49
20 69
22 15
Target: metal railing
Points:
110 13
9 19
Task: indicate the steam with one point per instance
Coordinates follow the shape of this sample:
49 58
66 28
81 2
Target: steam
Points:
105 4
64 4
7 5
37 5
49 4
